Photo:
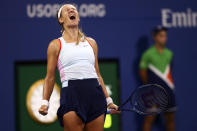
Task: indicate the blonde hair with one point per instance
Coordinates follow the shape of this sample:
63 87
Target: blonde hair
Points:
81 35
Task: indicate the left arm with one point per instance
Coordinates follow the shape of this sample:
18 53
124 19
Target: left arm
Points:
95 48
110 105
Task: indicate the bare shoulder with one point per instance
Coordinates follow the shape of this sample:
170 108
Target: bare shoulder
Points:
54 46
92 41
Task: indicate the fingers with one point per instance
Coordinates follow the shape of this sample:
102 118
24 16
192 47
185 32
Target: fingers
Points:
113 106
113 111
43 110
116 107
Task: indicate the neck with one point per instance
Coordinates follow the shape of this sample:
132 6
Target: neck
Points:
71 34
159 47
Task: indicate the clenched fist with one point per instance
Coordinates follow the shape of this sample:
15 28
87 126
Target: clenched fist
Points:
43 110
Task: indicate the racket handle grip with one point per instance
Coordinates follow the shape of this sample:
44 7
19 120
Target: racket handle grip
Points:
108 111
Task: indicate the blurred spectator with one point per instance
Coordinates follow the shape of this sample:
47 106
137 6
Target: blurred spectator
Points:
155 68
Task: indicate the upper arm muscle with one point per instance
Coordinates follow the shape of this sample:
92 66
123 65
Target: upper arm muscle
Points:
52 53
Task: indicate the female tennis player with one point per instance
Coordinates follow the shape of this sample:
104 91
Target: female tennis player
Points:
84 99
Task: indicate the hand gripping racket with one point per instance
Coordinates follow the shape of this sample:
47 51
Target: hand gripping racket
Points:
148 99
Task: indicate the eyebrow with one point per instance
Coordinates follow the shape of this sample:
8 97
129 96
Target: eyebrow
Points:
73 8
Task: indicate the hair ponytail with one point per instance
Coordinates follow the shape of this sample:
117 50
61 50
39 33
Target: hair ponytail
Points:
80 37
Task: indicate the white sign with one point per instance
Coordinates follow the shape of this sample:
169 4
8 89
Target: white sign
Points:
50 10
181 19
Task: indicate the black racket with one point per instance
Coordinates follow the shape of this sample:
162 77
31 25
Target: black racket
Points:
148 99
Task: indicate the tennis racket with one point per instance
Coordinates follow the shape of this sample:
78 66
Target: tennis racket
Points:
150 99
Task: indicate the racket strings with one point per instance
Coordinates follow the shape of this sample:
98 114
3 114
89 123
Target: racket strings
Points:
162 99
150 99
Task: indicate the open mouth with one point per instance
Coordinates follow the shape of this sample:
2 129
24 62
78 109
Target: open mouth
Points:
72 17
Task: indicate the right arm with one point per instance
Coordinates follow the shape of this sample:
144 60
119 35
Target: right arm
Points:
52 54
143 76
143 66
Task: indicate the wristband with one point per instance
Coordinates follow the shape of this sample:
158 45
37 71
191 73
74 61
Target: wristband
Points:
109 100
45 102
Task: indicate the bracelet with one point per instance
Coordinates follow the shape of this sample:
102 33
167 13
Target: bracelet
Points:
45 102
109 100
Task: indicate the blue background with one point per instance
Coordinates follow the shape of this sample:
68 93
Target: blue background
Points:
123 33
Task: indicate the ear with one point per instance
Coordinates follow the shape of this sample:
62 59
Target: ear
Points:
60 20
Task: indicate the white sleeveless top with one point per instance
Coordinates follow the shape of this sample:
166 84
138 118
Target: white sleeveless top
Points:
75 61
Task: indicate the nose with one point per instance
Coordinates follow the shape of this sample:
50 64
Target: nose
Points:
71 10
